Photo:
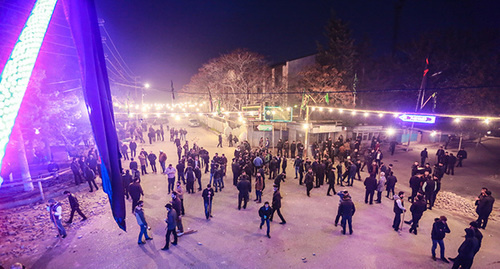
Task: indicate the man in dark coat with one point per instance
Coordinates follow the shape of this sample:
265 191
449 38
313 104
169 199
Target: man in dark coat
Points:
278 179
244 190
346 210
126 180
466 251
236 171
417 210
439 230
429 187
390 184
330 176
171 224
398 209
277 204
461 155
208 196
484 208
370 187
265 213
75 206
133 148
152 161
423 156
293 147
309 181
90 177
452 160
135 191
75 168
177 205
415 183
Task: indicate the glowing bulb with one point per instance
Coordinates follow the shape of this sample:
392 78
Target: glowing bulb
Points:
366 114
353 113
390 131
434 133
396 115
321 109
487 121
341 111
331 109
305 126
457 120
314 108
380 115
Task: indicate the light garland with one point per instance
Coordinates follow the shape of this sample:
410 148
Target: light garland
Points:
17 71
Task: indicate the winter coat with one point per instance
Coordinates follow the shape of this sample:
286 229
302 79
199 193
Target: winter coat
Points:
418 208
265 213
139 215
439 230
276 200
371 183
244 186
259 183
381 184
171 219
347 208
485 205
391 181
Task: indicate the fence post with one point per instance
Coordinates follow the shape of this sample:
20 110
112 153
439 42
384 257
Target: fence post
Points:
41 190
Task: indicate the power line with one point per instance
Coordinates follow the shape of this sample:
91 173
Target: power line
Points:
131 74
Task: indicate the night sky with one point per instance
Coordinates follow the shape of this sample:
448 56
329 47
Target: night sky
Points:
169 40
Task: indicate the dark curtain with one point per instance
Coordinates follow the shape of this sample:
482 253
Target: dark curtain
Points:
82 19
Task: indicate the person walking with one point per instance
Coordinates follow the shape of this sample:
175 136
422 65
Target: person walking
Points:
180 194
461 155
162 158
177 205
417 210
77 174
75 206
170 171
370 187
152 161
398 209
265 212
346 210
220 141
208 195
484 208
439 230
243 188
55 210
141 220
277 205
171 225
330 176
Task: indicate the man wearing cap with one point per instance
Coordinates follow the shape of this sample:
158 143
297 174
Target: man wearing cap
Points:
171 224
55 210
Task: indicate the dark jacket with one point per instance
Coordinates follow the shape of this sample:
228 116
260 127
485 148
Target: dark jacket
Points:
418 208
133 165
177 205
371 183
244 186
347 208
276 200
309 179
135 191
171 219
485 205
469 247
265 212
73 202
208 193
391 181
439 230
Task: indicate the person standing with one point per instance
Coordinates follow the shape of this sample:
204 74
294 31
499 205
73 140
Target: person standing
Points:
309 179
141 220
220 141
180 195
461 155
177 205
126 180
90 177
341 194
277 205
265 212
142 160
152 161
243 188
370 187
124 150
423 156
162 158
236 171
380 187
398 209
391 184
170 171
452 160
133 148
190 177
55 210
208 195
75 168
439 230
259 187
135 191
484 208
346 210
466 251
75 206
171 225
429 187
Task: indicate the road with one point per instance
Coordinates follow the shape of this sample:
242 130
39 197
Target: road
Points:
232 239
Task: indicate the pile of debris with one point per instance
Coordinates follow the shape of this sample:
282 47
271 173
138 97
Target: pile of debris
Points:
458 204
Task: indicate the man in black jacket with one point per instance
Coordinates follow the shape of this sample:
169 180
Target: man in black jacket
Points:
346 209
75 206
208 196
417 210
309 181
244 190
135 191
370 186
236 171
277 204
484 207
466 251
439 230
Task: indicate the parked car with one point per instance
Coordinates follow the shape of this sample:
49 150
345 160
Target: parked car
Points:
194 123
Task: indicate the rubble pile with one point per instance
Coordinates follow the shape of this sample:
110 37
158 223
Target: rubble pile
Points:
457 204
24 229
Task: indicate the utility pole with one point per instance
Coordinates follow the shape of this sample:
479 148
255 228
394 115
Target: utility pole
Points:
306 139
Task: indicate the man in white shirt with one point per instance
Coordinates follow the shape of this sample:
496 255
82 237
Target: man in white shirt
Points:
55 210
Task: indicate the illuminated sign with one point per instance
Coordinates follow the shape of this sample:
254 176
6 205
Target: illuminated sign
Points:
418 118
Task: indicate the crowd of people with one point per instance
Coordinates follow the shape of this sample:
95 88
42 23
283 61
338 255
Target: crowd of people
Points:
335 164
